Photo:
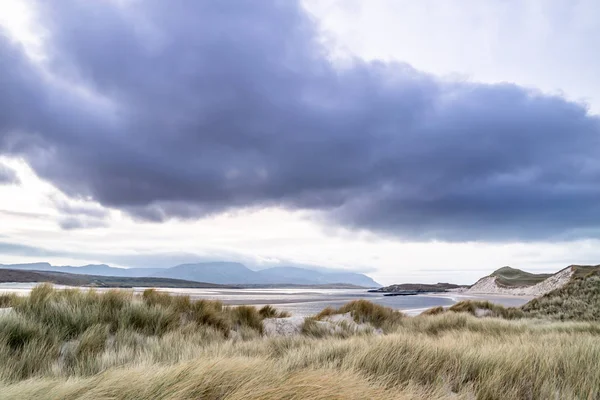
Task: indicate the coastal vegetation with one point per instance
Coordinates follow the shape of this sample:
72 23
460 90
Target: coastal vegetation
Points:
513 277
503 281
578 300
363 311
71 344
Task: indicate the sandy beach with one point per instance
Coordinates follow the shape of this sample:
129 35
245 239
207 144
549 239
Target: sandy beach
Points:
305 302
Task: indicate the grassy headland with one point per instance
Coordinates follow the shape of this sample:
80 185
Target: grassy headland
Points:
513 277
85 345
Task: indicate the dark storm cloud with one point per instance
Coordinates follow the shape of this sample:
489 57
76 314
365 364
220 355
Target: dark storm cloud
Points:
8 175
186 108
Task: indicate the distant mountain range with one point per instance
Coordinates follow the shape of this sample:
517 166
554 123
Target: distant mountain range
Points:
215 272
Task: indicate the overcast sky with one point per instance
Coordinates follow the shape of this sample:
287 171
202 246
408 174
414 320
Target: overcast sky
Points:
411 140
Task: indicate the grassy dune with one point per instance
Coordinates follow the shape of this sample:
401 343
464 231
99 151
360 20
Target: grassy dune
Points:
512 277
577 300
85 345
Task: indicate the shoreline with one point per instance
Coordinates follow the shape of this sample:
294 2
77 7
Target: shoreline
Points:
305 301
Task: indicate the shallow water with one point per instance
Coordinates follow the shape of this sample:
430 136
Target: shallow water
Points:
306 302
410 304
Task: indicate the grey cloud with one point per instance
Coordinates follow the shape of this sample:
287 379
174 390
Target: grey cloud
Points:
25 250
80 215
197 107
135 260
8 175
141 260
80 209
72 223
23 214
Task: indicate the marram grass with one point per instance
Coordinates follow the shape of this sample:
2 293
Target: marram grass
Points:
87 345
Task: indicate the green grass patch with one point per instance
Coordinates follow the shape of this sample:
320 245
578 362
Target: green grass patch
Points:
512 277
578 300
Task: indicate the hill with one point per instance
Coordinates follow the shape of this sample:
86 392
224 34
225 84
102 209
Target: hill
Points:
15 275
229 273
513 277
511 281
578 299
90 269
215 272
582 271
63 278
505 280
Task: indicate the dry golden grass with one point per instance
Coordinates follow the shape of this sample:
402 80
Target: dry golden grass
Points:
434 311
364 311
487 308
117 356
234 378
8 299
271 312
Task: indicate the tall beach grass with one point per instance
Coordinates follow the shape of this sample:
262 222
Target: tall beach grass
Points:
114 345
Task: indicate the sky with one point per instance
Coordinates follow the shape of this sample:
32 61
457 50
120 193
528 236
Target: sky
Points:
413 141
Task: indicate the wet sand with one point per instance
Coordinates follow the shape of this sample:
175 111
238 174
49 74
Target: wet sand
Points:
307 302
502 299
